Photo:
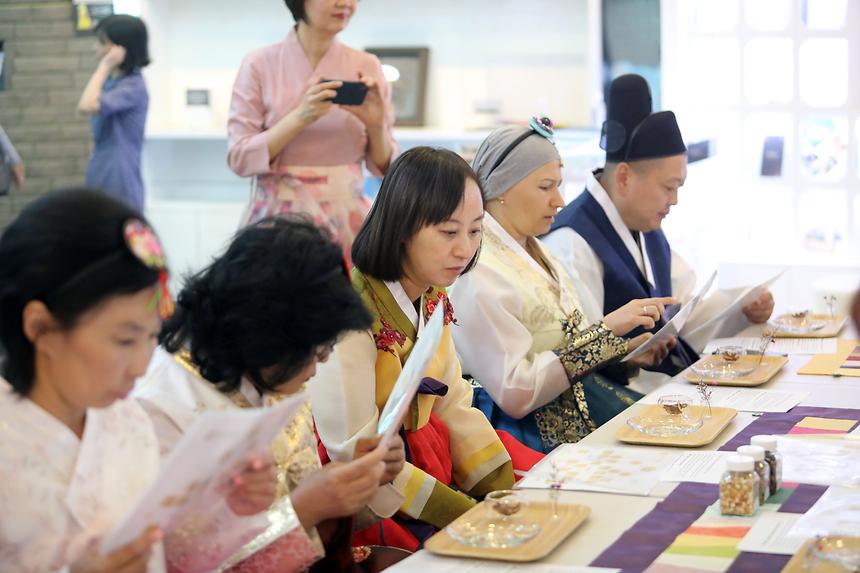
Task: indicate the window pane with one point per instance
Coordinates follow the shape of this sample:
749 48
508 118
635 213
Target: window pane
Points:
767 144
768 15
824 148
824 72
824 14
127 7
823 219
769 71
712 66
717 15
766 219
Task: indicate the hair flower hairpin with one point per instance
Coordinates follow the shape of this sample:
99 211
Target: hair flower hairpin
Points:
144 245
543 126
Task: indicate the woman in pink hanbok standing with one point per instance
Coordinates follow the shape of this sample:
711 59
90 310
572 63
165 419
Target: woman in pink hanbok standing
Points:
304 152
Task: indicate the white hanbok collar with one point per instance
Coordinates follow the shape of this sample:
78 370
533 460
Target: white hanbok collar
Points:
250 393
639 255
496 228
405 304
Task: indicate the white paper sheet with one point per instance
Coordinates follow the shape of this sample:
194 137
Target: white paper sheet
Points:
410 376
837 512
788 346
741 399
771 534
430 563
628 471
213 450
822 462
676 324
701 467
746 297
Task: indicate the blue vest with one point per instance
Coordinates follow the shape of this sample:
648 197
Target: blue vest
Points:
622 279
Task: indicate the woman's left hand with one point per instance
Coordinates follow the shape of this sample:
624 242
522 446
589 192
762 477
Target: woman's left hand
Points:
653 357
253 489
114 57
372 111
395 455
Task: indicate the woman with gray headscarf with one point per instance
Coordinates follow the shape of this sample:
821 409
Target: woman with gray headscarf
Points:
522 333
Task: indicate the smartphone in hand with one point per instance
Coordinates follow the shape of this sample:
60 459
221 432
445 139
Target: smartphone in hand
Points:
350 93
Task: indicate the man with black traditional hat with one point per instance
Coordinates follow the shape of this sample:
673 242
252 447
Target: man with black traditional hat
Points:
610 236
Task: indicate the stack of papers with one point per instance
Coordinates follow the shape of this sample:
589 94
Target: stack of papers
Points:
700 467
772 533
576 467
741 399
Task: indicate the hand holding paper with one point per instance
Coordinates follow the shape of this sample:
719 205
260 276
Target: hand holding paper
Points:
394 458
253 489
673 326
196 474
338 489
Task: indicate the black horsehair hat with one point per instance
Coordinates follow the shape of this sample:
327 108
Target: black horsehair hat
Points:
631 132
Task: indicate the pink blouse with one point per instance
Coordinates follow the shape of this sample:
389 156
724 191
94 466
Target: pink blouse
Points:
272 81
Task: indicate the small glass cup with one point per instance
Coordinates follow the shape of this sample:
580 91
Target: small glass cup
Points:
674 404
838 552
504 503
501 524
731 363
676 415
731 353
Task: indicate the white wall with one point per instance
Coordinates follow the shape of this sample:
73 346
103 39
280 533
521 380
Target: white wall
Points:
531 57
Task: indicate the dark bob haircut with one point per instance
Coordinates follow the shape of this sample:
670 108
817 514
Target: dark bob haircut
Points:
67 250
280 291
297 9
424 186
130 33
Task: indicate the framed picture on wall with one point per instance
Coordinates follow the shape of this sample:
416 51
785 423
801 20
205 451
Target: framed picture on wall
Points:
406 71
88 14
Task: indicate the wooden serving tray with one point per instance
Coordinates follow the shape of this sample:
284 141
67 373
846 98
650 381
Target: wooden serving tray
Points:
554 529
798 562
831 329
770 366
711 428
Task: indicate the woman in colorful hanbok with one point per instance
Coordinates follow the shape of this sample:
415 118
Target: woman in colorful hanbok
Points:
304 152
82 286
542 364
248 333
423 232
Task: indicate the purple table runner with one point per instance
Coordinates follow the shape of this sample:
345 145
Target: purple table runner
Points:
648 538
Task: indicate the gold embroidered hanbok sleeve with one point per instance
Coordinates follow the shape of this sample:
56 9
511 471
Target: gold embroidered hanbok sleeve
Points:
583 351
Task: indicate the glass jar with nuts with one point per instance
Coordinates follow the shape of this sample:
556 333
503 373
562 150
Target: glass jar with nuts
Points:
761 468
773 459
739 487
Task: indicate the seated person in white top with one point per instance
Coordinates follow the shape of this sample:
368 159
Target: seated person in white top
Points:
81 285
610 235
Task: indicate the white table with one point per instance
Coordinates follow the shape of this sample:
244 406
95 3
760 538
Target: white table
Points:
612 514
